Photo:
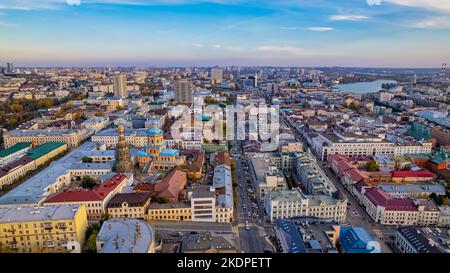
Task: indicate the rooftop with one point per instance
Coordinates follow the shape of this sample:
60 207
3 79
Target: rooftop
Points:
125 235
36 188
418 240
133 199
14 149
83 195
35 214
44 149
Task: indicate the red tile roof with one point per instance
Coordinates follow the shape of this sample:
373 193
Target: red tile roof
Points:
172 184
223 158
83 195
422 173
355 175
383 199
344 165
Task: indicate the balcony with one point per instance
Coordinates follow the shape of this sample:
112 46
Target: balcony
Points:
50 243
48 225
61 225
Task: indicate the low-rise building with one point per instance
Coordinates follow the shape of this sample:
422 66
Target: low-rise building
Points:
18 150
31 161
125 235
94 200
386 210
412 176
129 205
180 211
409 240
208 243
73 138
293 203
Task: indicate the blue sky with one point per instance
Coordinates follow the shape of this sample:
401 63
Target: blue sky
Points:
382 33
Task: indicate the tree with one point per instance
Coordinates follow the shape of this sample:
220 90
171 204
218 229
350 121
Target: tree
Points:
438 199
161 200
88 182
372 166
17 107
353 106
87 159
91 237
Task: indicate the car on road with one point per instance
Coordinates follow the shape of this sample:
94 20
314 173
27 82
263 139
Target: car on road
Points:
247 226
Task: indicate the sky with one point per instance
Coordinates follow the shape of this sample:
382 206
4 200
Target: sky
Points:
356 33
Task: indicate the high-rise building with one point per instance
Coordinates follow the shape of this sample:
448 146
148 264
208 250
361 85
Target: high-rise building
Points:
254 80
183 91
216 75
9 67
120 86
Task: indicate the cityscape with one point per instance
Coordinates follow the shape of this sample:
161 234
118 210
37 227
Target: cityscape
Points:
227 127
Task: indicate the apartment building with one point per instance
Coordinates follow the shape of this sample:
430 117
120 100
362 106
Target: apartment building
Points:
43 229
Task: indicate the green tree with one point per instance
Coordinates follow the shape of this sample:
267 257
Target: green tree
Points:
438 199
91 235
160 200
372 166
88 182
87 159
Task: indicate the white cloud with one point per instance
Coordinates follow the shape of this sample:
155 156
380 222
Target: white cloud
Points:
433 22
374 2
290 50
345 17
320 29
217 46
437 5
5 24
198 45
54 4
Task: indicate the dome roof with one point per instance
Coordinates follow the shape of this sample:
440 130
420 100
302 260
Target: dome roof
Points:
155 131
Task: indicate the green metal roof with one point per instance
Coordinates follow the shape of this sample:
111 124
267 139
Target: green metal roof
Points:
44 149
19 146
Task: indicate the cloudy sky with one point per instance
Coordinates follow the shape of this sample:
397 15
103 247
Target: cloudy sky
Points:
366 33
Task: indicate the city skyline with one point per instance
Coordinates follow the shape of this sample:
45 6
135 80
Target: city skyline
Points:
356 33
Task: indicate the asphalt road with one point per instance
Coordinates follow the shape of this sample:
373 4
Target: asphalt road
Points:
250 240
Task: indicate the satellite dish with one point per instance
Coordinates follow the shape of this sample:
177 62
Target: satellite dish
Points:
374 247
73 247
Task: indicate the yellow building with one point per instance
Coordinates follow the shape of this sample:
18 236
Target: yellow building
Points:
43 229
170 212
73 138
32 160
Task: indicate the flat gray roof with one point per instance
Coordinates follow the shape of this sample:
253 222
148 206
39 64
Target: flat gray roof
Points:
35 214
131 235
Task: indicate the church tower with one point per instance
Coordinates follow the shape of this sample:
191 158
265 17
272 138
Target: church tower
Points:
123 159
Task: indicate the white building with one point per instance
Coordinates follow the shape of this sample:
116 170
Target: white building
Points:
291 203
